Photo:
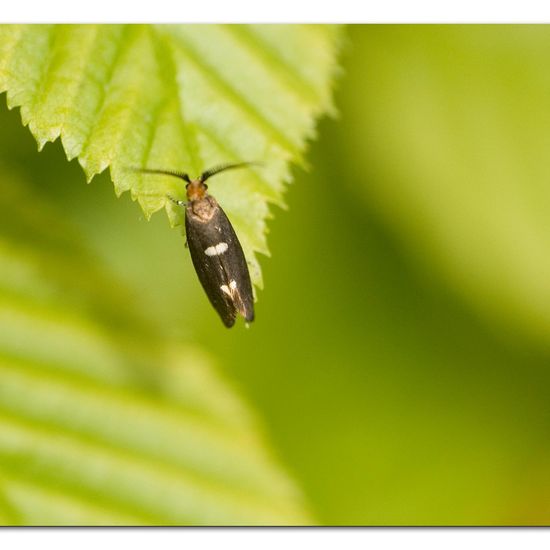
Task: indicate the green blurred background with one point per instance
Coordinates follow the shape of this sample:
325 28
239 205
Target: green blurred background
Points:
400 356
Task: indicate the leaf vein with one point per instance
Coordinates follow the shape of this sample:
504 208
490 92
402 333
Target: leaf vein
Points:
227 90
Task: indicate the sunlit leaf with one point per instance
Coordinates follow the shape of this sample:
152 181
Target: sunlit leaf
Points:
183 97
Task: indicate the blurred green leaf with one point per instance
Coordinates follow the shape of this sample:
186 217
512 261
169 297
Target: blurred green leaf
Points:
182 97
102 421
452 148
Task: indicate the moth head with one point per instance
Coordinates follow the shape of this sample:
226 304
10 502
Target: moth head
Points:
196 190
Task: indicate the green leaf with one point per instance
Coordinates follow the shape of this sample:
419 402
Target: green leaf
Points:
102 421
455 140
182 97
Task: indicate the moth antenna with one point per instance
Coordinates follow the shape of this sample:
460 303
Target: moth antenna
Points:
180 175
222 167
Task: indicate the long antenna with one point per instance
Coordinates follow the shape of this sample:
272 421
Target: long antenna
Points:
222 167
180 175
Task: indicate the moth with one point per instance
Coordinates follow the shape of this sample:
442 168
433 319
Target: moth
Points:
216 252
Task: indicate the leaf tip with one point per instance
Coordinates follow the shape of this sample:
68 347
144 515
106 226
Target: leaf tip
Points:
41 142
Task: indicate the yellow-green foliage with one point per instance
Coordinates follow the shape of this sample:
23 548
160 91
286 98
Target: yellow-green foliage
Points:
183 97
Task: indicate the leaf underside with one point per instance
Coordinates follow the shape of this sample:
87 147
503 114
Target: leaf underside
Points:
180 97
102 421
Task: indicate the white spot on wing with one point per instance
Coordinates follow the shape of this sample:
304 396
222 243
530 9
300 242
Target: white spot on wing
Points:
229 290
225 288
217 249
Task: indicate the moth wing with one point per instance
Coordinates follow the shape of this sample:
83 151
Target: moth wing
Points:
235 266
221 265
210 271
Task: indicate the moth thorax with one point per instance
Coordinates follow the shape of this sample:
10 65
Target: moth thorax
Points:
204 208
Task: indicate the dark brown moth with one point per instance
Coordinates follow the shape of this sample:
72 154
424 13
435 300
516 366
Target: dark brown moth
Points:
216 252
